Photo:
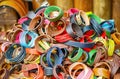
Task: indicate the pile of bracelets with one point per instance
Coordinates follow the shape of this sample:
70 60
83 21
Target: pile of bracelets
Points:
52 44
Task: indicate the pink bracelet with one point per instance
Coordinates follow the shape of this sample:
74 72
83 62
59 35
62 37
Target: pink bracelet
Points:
71 11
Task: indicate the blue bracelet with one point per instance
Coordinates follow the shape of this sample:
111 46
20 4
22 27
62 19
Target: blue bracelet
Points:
96 26
58 56
23 42
108 25
10 52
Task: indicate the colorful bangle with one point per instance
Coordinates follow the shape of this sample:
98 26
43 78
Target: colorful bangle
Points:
50 9
111 47
75 55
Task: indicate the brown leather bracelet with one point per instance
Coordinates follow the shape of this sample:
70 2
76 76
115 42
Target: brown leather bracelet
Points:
114 64
4 74
36 23
42 37
101 54
52 28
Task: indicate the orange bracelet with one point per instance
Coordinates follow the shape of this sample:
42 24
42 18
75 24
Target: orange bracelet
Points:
102 69
116 37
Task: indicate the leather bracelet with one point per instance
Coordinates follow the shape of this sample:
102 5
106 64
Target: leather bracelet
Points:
32 59
91 58
32 51
5 46
96 26
64 76
58 56
48 71
56 28
23 39
5 65
73 19
97 18
2 57
62 46
71 11
42 62
27 68
111 47
4 74
115 36
42 43
63 38
75 55
84 57
50 9
108 25
84 74
101 40
74 30
22 19
79 44
104 68
25 24
16 36
114 64
16 68
36 23
11 51
82 18
101 54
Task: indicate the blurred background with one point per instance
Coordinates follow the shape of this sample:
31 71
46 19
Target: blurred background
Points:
12 10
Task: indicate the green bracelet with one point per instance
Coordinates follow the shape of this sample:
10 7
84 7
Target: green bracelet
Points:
75 57
91 58
50 9
91 15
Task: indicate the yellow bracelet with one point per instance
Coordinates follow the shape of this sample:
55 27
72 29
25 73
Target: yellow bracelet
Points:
111 47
